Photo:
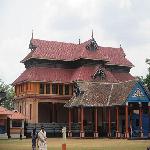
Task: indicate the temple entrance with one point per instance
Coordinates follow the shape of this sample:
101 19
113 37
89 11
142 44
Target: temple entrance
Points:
61 113
136 127
44 112
139 119
52 112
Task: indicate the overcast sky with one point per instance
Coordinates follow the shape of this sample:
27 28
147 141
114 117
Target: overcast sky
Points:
115 22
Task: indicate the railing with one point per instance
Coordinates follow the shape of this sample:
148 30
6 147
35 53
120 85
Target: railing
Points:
52 129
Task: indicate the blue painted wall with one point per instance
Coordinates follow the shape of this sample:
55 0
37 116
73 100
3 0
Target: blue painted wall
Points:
145 125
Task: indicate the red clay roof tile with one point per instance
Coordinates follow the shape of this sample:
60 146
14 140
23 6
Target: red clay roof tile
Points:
16 115
53 50
4 111
60 75
102 94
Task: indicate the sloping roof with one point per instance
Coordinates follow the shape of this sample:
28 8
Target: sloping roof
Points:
16 115
4 111
53 50
122 76
46 74
101 94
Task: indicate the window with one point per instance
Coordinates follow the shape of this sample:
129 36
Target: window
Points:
30 86
60 89
41 88
71 89
21 88
16 123
30 111
54 88
47 88
67 89
20 110
16 90
26 86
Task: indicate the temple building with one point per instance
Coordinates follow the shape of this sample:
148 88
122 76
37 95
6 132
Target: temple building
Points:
85 87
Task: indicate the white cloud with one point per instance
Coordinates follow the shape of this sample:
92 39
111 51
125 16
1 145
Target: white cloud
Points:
126 4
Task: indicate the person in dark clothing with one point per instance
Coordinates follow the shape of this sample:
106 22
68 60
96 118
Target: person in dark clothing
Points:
34 137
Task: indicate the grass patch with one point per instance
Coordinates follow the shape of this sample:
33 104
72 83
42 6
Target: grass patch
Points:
78 144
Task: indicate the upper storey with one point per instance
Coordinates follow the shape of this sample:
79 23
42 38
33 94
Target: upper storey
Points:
69 52
51 61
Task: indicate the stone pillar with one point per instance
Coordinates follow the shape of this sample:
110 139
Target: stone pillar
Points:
96 123
117 123
109 123
82 134
140 119
126 121
69 123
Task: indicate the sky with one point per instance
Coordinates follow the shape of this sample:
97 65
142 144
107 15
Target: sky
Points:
114 22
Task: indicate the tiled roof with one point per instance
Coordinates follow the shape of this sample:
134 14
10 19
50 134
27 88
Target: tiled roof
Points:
46 74
53 50
102 94
4 111
16 115
123 76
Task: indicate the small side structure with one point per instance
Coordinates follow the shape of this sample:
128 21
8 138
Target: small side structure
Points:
111 109
16 124
4 122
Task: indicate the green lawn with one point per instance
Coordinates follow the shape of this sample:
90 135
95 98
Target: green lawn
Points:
78 144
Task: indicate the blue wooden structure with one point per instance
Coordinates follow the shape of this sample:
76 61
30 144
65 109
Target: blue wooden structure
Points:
139 96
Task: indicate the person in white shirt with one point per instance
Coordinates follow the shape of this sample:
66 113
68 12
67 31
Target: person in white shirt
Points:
42 145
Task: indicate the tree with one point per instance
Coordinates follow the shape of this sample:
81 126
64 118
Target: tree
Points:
7 102
148 62
147 79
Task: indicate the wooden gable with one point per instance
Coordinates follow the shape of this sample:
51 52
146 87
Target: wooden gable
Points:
138 94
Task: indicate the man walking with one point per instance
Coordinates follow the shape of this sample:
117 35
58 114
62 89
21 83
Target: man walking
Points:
42 139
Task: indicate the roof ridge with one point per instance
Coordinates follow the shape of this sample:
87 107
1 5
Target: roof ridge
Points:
77 44
112 86
57 41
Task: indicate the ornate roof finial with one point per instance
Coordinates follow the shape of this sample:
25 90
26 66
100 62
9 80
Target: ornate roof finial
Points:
79 41
31 45
32 34
92 33
120 46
